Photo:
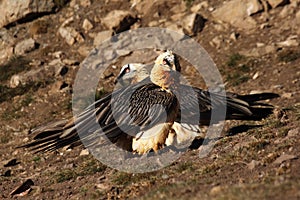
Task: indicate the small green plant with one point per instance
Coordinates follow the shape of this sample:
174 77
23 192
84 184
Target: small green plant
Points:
189 3
237 69
122 178
185 166
259 145
65 175
234 59
36 159
91 167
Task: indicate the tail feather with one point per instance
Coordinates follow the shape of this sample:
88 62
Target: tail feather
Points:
253 98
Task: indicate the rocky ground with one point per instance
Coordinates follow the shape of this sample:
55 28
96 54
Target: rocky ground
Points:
255 45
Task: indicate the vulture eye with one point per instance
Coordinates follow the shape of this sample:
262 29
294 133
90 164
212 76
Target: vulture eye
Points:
166 62
127 69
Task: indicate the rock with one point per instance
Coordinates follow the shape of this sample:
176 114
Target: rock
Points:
67 21
13 11
290 41
84 152
35 75
70 35
38 27
102 36
236 13
119 20
165 176
253 164
145 8
6 46
5 54
7 41
59 86
85 3
84 50
234 36
103 186
260 44
176 28
293 132
216 190
70 62
12 162
278 86
25 46
216 41
276 3
298 18
58 66
221 27
287 95
193 23
255 76
285 12
23 189
87 25
177 17
283 158
253 6
259 51
199 6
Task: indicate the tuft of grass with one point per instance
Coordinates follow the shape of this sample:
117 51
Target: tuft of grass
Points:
185 166
237 69
91 167
122 178
36 159
65 175
282 132
188 3
234 59
259 144
296 110
210 169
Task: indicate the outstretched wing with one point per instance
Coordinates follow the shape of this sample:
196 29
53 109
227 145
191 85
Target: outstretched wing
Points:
129 110
197 105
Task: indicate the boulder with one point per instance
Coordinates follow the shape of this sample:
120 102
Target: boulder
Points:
25 46
276 3
236 13
193 23
16 10
119 20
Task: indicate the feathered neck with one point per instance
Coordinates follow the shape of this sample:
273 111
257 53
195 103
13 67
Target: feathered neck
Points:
163 76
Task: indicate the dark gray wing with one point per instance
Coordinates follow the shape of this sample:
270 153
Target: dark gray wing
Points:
126 110
196 105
